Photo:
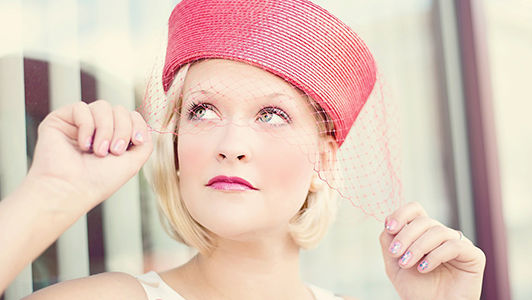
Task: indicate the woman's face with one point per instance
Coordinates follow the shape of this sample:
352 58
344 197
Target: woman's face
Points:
247 143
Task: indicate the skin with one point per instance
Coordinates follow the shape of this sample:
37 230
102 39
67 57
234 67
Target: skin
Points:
241 142
66 179
255 257
455 267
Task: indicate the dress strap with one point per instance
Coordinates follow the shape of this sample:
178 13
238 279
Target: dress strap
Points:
156 288
322 294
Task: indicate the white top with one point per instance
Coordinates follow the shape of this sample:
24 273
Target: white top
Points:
157 289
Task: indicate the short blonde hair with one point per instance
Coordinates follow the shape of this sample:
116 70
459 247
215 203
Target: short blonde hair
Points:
308 226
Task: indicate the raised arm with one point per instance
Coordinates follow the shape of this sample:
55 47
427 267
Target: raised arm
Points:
84 153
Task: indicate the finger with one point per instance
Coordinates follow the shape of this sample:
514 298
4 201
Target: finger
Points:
462 254
402 216
83 120
390 263
426 243
80 122
138 155
140 129
102 113
409 234
122 130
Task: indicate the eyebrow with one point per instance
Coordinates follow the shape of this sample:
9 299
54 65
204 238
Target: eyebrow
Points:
201 92
269 96
276 95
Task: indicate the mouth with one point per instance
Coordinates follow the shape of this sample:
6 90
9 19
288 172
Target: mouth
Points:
225 183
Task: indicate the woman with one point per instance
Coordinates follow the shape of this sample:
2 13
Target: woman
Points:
261 103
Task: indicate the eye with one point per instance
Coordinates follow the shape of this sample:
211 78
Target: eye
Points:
273 116
202 111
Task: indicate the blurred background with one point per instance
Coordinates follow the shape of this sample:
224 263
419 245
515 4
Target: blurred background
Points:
458 70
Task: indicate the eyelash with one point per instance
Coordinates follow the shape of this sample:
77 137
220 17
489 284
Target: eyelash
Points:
194 106
277 111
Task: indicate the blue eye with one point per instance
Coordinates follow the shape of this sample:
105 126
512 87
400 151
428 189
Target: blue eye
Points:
273 116
265 117
201 111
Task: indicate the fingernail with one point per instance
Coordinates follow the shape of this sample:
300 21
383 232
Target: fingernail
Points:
88 143
104 148
423 266
139 136
405 259
395 247
119 147
390 225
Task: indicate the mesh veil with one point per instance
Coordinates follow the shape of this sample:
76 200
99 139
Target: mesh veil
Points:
281 72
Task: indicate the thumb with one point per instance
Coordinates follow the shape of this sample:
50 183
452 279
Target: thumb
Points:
139 154
390 263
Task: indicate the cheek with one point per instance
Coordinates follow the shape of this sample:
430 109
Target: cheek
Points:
193 157
288 172
292 170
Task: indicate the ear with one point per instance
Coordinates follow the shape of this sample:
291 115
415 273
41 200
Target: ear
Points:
327 162
328 149
316 183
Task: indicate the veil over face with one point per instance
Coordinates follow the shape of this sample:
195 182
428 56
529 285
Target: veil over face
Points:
317 55
243 152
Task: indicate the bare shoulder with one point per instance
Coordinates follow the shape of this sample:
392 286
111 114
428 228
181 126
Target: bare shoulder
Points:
102 286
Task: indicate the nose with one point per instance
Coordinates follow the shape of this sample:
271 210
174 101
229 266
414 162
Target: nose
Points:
238 157
233 145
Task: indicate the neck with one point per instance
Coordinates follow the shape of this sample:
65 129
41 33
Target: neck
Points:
237 270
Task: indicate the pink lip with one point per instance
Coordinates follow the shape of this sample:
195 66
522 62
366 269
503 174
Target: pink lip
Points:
230 184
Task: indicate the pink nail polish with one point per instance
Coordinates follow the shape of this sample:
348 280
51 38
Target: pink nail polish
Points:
119 147
139 136
390 225
395 247
104 148
423 266
406 258
88 143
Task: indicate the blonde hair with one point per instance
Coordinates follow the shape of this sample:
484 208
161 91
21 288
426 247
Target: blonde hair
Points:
308 226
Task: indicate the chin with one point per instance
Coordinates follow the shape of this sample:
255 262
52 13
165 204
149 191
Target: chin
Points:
229 220
242 224
244 216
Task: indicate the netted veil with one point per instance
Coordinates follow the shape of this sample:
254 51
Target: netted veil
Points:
330 69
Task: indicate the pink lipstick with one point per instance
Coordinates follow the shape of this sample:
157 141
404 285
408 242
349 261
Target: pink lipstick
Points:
229 184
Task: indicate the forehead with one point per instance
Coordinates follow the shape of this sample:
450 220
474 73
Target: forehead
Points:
231 78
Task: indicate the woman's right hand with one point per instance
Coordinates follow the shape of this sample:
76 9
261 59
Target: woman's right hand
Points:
84 151
81 158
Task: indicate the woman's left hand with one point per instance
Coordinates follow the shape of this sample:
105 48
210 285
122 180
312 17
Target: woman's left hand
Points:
427 260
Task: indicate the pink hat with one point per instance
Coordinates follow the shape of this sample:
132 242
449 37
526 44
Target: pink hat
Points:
294 39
